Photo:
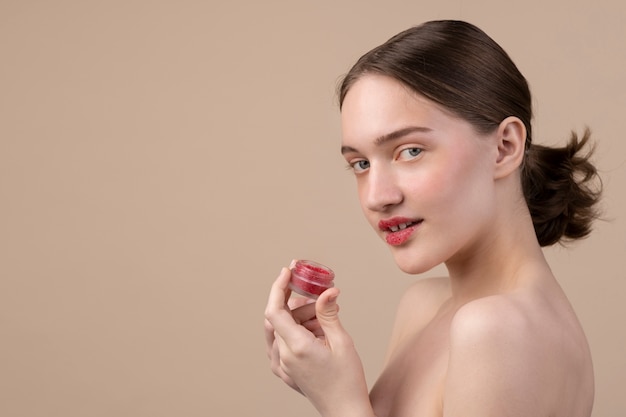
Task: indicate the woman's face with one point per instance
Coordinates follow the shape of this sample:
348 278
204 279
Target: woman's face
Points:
425 177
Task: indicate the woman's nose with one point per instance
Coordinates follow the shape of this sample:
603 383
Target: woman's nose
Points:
382 191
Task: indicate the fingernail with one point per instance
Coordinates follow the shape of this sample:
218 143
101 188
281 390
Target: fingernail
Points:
293 263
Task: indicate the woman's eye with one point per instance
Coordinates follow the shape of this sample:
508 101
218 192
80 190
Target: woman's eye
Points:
360 166
409 153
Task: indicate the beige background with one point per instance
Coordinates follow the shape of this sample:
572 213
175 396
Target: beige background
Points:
161 160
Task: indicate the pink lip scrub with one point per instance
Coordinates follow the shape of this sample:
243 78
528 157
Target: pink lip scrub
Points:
310 279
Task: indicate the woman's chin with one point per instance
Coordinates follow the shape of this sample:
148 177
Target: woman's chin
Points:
413 265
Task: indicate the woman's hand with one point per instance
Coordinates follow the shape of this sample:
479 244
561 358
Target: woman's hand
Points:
302 310
311 352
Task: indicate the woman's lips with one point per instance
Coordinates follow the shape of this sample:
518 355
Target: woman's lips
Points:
397 230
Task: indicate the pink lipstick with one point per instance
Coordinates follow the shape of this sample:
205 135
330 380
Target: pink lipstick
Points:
398 229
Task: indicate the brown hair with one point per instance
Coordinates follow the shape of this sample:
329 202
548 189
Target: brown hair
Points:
458 66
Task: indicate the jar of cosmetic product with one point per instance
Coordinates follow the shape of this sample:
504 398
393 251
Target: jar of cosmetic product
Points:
310 279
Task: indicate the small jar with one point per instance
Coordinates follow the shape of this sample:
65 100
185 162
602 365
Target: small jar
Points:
310 279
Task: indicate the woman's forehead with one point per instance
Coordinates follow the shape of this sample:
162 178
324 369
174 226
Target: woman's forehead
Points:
377 105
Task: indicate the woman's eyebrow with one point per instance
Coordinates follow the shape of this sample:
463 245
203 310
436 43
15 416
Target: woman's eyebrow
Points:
395 135
348 149
400 133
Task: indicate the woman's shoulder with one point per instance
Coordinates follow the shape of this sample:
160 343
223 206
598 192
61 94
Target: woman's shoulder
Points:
533 349
492 318
537 326
425 296
419 304
517 318
527 312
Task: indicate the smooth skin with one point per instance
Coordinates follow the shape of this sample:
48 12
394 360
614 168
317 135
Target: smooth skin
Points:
497 337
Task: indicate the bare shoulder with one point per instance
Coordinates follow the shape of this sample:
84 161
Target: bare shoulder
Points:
418 305
522 358
498 317
526 321
532 330
423 298
497 331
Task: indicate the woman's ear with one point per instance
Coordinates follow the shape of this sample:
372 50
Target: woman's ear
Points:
511 137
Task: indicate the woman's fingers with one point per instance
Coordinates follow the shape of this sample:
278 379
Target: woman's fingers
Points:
297 302
305 316
269 337
327 315
303 312
279 368
278 313
290 326
314 327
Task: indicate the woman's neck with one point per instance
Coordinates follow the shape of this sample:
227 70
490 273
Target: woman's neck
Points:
507 258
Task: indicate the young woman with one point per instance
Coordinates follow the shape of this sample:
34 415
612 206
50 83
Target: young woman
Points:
436 125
